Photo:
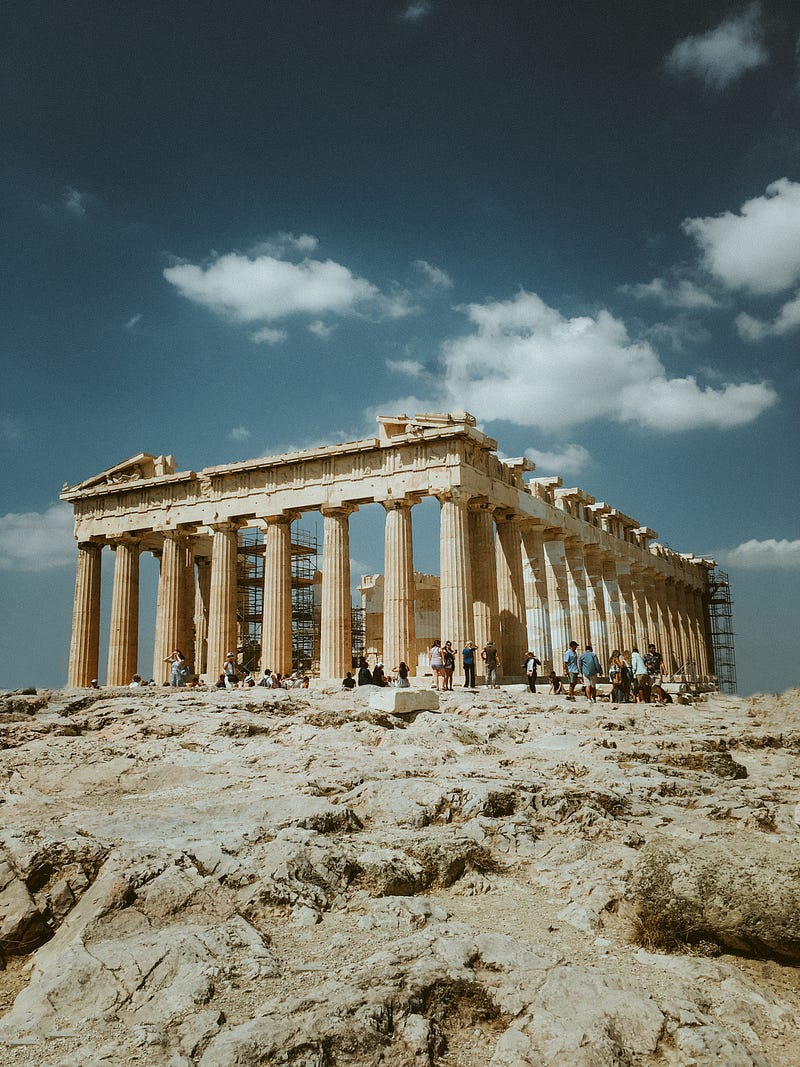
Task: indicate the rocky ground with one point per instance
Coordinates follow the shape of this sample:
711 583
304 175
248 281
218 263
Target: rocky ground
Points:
250 877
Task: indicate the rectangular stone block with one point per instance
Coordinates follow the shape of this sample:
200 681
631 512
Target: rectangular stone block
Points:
400 701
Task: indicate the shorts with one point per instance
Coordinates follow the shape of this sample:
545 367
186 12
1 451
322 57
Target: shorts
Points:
590 679
572 677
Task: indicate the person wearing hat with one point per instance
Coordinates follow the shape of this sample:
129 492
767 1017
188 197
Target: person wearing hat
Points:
229 670
491 657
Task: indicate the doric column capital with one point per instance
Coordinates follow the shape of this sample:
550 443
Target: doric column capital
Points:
124 539
454 495
393 503
507 515
283 518
344 509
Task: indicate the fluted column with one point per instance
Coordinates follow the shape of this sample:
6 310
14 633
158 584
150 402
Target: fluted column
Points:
595 593
536 603
702 633
576 584
170 621
683 627
123 639
84 652
455 591
653 628
336 644
679 653
399 630
187 637
511 593
483 573
639 604
222 627
202 597
664 624
557 595
276 624
625 606
613 607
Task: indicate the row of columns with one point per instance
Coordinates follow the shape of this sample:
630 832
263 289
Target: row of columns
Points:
501 578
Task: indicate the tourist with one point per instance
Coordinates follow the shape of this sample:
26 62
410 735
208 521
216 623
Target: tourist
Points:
364 673
468 660
378 677
94 684
627 675
659 695
348 682
221 683
555 684
136 682
195 682
589 666
229 670
449 665
571 668
264 680
615 677
179 672
491 657
437 663
401 671
531 663
654 663
295 679
639 668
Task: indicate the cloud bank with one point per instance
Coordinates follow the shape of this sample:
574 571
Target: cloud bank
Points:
771 554
722 55
36 541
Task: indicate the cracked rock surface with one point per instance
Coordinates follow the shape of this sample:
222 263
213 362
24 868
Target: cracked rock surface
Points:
242 878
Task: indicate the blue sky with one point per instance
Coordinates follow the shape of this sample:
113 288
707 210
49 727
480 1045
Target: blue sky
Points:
232 229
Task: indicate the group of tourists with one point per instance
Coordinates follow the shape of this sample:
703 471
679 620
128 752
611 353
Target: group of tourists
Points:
377 676
634 678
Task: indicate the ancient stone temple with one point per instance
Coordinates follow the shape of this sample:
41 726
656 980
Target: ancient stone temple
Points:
526 564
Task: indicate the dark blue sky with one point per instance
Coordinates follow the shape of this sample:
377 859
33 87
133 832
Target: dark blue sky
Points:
229 229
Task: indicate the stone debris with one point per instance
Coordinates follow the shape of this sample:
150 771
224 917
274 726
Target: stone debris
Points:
331 880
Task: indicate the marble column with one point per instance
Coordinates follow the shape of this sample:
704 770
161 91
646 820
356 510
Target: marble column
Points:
202 597
511 594
557 596
123 639
336 644
702 633
664 642
576 584
222 625
595 594
483 575
625 606
536 603
679 655
276 624
455 571
639 604
399 630
613 607
187 637
170 608
84 652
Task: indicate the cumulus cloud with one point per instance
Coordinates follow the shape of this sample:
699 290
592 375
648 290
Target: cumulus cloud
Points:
263 286
416 11
268 335
239 433
75 201
722 55
435 276
37 541
571 459
526 363
757 250
786 321
320 329
681 293
411 367
767 554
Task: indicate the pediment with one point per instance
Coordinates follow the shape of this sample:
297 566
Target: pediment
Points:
140 467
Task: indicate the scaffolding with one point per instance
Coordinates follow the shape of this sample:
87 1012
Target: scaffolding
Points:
305 614
720 616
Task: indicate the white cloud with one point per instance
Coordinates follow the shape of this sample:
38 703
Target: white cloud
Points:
527 364
434 275
239 433
758 249
281 244
405 366
679 294
75 201
416 11
770 553
787 320
320 329
571 459
134 320
722 55
267 335
36 541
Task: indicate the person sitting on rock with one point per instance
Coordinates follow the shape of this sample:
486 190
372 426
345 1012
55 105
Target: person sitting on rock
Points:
378 677
348 682
401 671
364 673
555 684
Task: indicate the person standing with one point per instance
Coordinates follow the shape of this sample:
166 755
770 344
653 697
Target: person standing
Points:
491 658
571 668
468 659
178 669
531 664
229 671
589 666
449 661
655 664
641 677
615 677
437 663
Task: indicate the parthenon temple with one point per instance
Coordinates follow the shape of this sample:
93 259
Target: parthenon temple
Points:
525 563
